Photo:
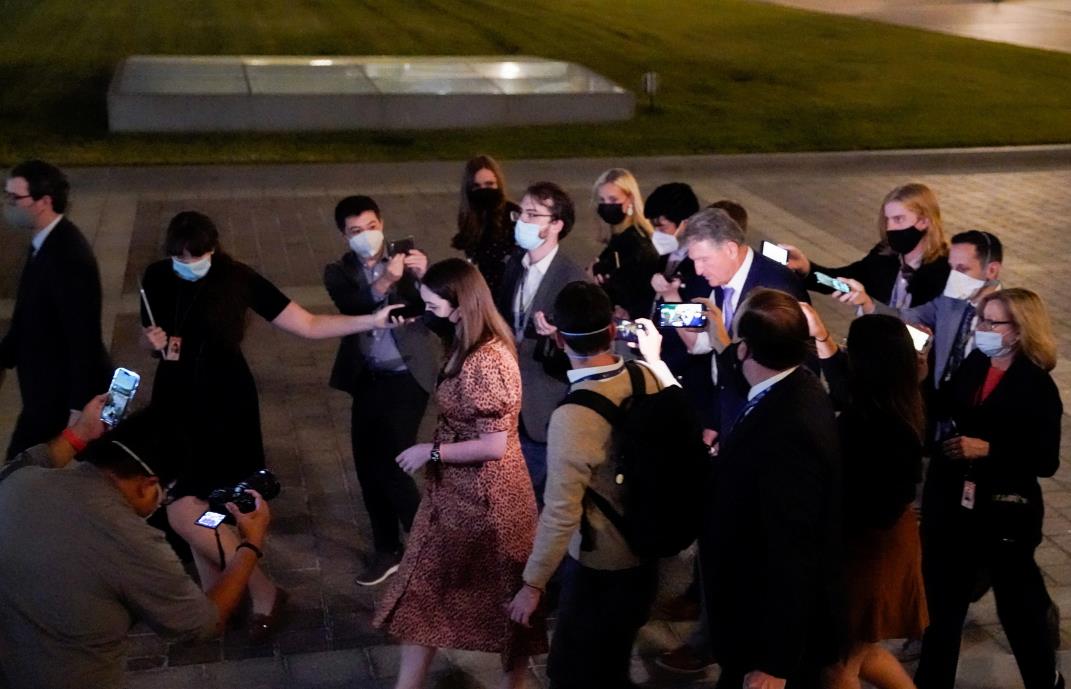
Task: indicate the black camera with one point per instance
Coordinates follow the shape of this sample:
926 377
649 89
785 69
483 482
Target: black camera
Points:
263 482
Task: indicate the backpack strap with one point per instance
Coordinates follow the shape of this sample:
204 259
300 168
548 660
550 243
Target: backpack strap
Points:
635 375
595 402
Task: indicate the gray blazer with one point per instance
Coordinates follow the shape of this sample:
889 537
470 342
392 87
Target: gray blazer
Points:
420 348
943 316
541 391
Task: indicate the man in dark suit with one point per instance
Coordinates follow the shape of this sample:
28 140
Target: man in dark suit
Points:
530 284
55 336
718 247
769 545
390 374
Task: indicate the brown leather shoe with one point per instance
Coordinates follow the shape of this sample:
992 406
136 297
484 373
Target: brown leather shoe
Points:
262 627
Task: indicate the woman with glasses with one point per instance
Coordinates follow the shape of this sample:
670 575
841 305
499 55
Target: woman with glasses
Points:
982 506
629 261
473 532
484 227
194 317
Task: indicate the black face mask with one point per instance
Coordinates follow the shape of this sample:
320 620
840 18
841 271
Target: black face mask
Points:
903 241
440 325
484 198
612 213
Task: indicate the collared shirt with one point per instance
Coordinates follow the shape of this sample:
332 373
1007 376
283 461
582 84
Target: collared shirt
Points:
42 234
659 368
528 286
378 346
901 298
675 259
703 344
759 388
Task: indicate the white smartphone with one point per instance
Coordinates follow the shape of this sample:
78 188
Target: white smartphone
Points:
919 337
836 284
120 393
777 253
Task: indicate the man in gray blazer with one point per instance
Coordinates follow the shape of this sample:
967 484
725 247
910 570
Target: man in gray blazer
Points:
530 285
390 374
976 259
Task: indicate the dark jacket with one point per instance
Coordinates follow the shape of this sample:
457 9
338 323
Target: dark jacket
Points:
55 336
771 534
878 270
541 390
349 289
692 370
882 456
1021 422
628 262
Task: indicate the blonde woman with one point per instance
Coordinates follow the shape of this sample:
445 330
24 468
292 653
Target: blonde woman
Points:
626 265
982 507
908 266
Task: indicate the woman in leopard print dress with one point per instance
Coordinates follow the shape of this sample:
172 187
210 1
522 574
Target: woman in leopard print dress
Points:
477 518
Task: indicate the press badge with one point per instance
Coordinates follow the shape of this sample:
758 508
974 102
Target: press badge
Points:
174 348
967 501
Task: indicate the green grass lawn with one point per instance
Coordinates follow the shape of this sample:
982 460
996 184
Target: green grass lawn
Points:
737 76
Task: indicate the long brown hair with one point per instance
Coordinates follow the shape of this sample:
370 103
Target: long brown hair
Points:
461 284
920 200
1036 339
471 223
884 365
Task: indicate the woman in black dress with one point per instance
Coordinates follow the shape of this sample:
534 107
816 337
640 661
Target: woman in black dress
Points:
484 226
203 386
629 261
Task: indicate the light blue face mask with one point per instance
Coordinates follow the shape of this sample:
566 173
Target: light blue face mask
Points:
991 343
526 234
192 271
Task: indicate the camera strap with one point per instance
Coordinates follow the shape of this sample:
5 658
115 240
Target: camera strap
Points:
219 549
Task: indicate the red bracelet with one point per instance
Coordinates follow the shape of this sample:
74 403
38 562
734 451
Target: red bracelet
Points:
77 443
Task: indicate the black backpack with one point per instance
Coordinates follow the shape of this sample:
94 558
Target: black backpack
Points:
660 464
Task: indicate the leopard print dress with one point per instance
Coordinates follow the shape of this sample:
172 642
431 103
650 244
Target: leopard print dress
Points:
475 526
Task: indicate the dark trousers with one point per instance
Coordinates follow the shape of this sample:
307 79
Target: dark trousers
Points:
387 409
599 614
37 424
535 459
950 569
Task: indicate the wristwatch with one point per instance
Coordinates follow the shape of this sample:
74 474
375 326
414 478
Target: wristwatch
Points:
436 455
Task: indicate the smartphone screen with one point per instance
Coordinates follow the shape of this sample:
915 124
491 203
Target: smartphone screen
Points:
674 315
626 330
120 393
771 250
838 285
402 246
210 520
918 337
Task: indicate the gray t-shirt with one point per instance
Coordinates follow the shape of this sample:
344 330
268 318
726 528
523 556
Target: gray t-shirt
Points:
77 568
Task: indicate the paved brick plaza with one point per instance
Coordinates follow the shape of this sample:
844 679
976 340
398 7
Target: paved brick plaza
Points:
278 219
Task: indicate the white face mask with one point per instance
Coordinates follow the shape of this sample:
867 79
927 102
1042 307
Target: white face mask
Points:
193 271
526 235
962 286
664 243
991 343
366 244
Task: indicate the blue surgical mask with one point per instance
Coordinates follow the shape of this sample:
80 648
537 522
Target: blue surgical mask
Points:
526 235
991 343
192 271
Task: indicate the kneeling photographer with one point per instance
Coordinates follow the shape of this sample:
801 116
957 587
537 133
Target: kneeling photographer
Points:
81 566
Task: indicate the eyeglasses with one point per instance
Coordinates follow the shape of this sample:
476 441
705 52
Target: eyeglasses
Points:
12 199
986 324
527 215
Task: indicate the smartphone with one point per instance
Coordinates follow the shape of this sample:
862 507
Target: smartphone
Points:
836 284
210 519
626 330
678 315
771 250
410 310
919 337
120 393
401 246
